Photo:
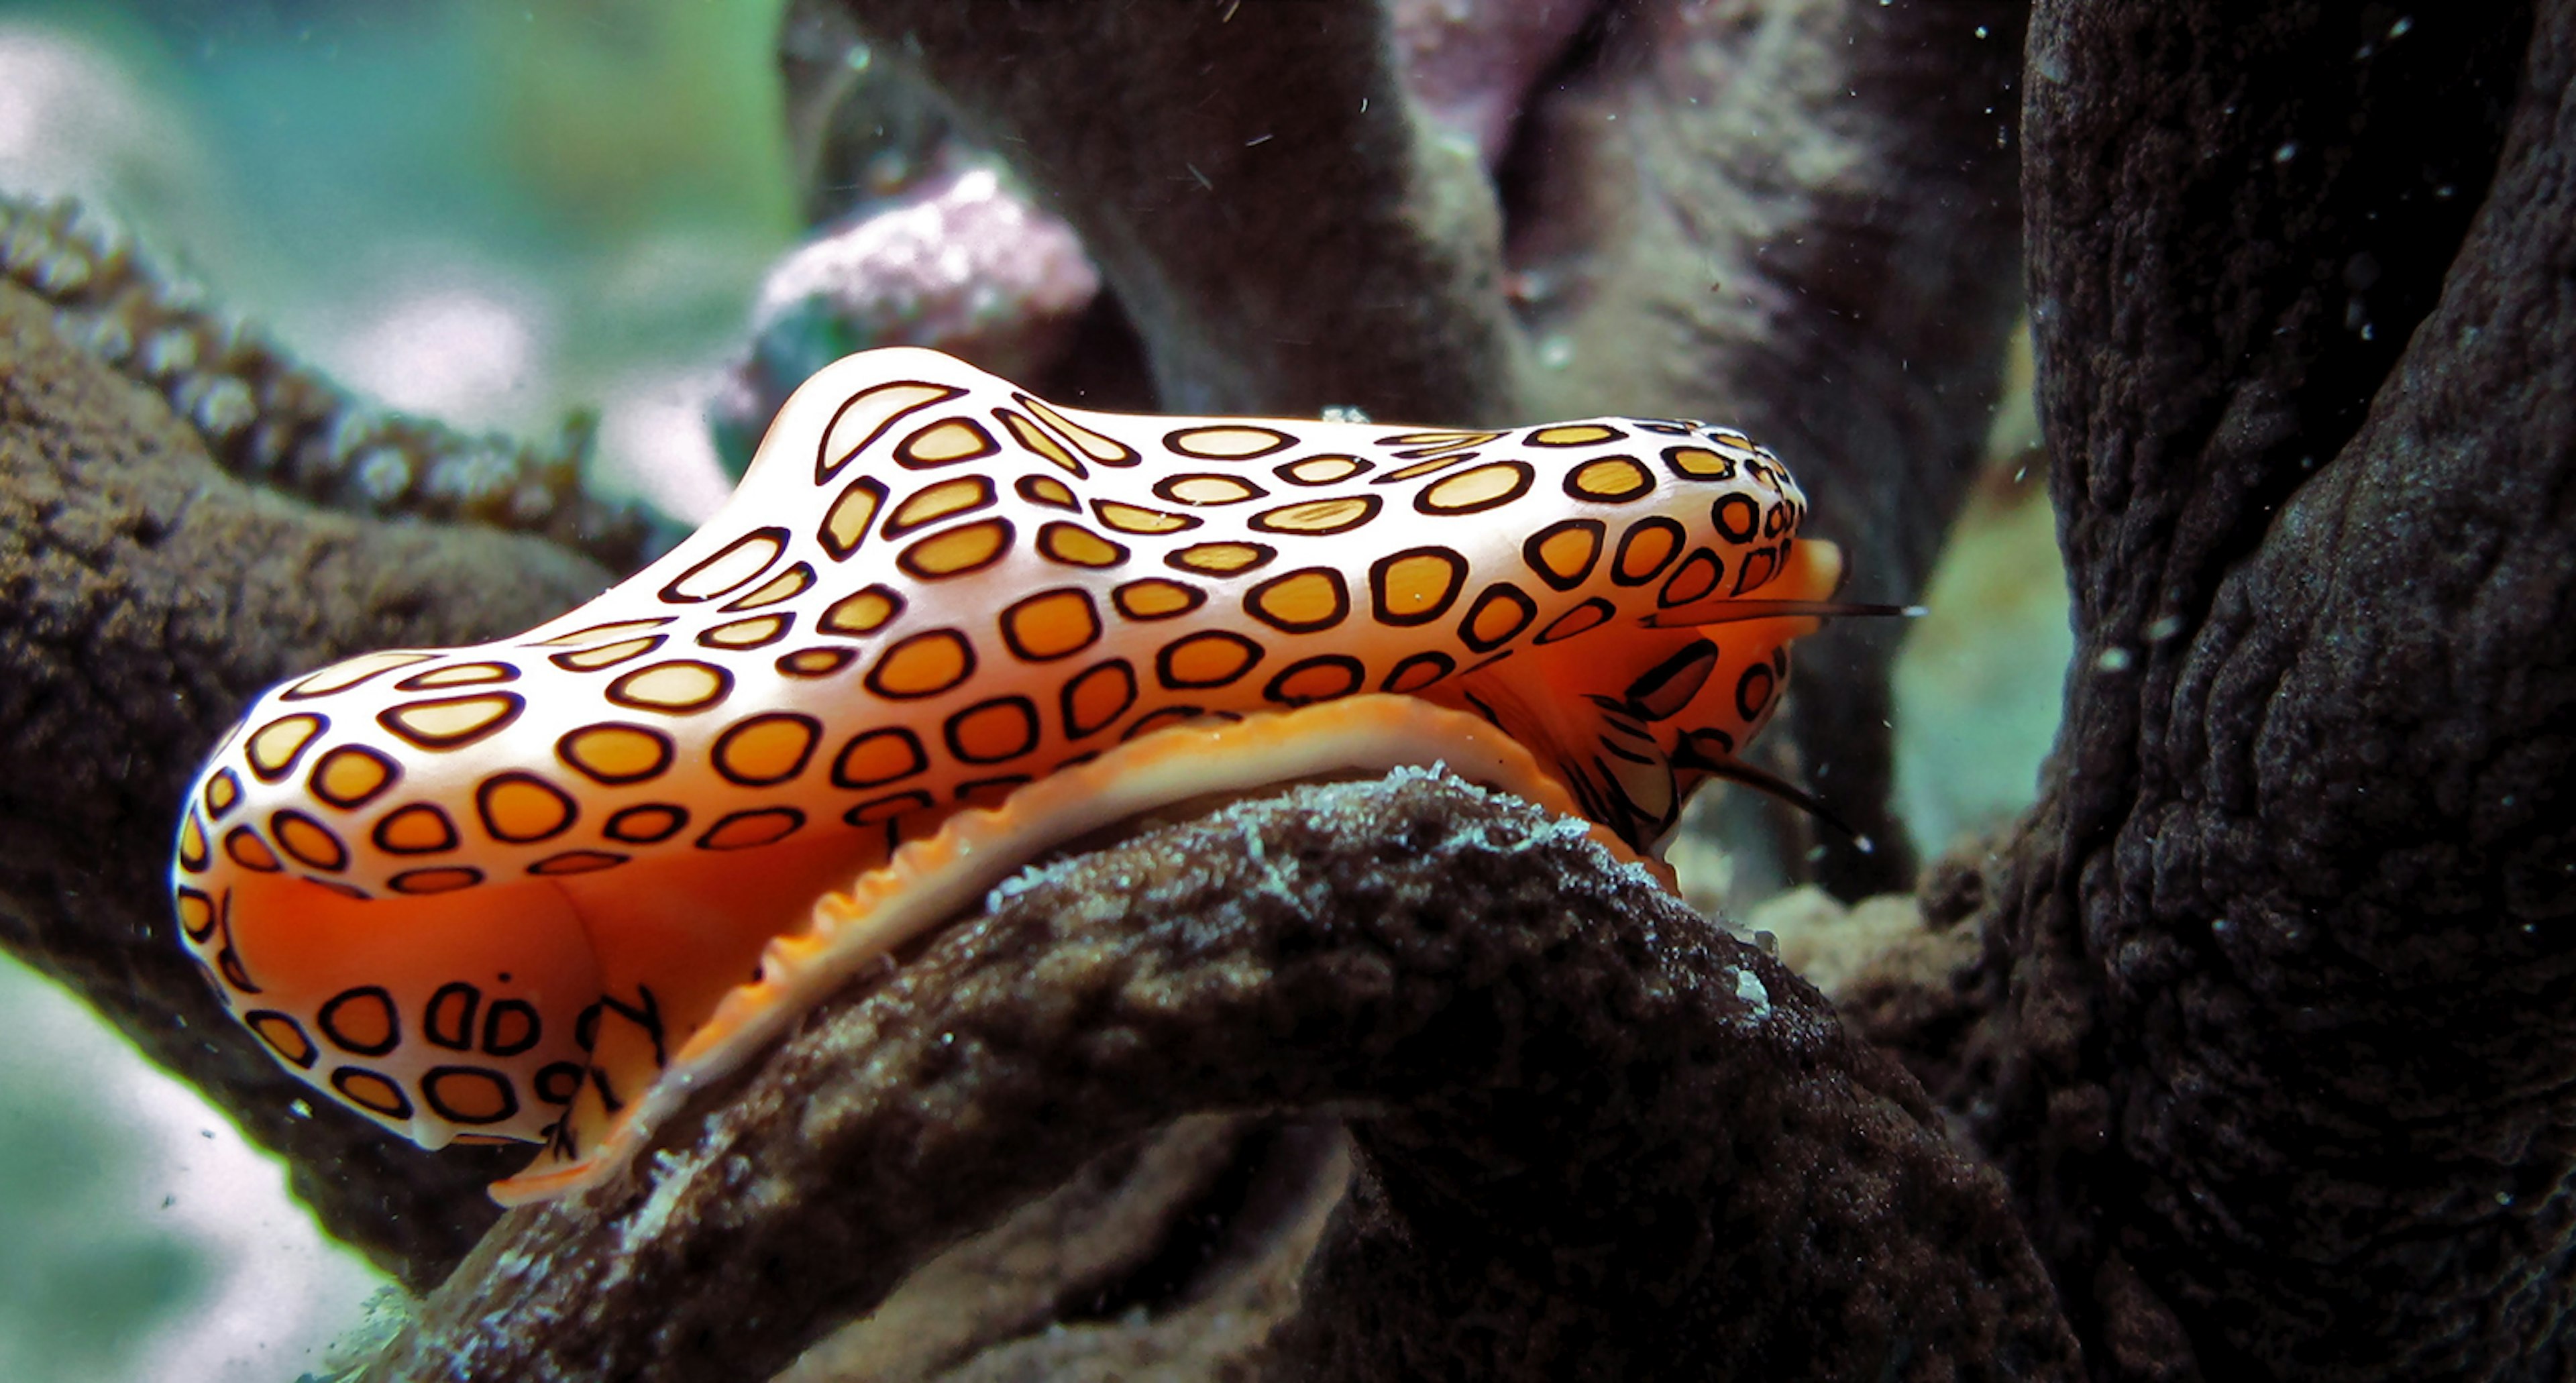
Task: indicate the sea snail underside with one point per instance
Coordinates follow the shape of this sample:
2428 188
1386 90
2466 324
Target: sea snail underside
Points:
513 891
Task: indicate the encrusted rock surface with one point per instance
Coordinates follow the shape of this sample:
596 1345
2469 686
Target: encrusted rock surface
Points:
1598 1136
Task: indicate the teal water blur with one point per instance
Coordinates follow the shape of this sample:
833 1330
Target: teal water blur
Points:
491 213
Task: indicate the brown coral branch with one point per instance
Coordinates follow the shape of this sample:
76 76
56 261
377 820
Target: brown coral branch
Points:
266 417
2282 1079
145 596
1599 1136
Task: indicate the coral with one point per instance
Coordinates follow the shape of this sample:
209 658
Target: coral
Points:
2280 965
961 262
1506 1012
268 419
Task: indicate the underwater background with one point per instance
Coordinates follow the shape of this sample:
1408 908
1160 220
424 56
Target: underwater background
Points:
499 216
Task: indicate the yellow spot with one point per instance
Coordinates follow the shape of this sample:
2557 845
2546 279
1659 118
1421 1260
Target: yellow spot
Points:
249 851
518 808
937 502
1211 659
1107 451
1079 547
274 747
742 830
677 687
867 415
1415 673
1320 679
609 655
1034 439
1568 553
416 830
1222 559
745 633
1645 550
863 613
847 520
739 561
222 791
766 749
1229 442
196 913
192 843
577 862
1129 518
878 757
1610 479
1052 624
995 731
1424 443
1421 468
645 825
461 675
1318 516
442 880
597 632
959 550
614 753
1156 598
368 1090
361 1020
342 676
1207 490
1486 486
789 583
943 442
1583 618
349 775
1046 489
1700 463
815 662
283 1037
1323 470
305 839
1414 587
1303 601
925 664
1574 435
1097 697
448 724
1500 612
469 1096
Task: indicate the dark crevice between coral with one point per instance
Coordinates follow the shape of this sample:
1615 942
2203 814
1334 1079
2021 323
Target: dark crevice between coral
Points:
1264 1179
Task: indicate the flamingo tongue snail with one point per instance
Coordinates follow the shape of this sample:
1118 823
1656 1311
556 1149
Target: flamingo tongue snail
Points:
530 890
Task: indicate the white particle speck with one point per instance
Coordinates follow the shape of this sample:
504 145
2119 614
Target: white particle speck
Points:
2112 659
1750 989
1981 31
2289 150
2398 29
